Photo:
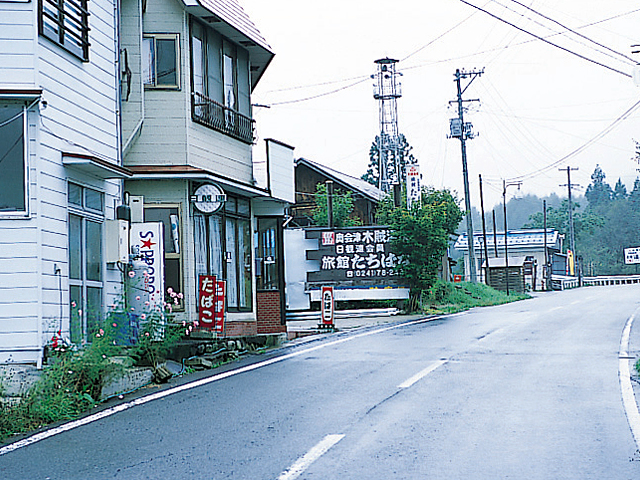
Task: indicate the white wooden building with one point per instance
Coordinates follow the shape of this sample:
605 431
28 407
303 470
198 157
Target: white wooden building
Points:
60 162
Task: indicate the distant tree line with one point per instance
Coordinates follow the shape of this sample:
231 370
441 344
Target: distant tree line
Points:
608 224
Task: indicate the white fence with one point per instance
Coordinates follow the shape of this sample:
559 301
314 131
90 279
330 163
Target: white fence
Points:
561 282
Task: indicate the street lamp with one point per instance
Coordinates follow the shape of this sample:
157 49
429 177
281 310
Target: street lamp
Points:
504 206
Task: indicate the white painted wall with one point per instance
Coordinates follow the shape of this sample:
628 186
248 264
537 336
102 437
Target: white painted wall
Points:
80 118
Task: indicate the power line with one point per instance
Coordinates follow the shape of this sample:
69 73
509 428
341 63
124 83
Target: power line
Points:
572 31
547 41
584 146
312 97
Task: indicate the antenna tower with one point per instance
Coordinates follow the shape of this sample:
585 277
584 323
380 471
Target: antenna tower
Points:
387 90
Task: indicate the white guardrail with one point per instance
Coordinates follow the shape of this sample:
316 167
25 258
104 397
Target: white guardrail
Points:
561 282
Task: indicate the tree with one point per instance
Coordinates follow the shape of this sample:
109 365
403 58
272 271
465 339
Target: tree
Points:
619 191
342 208
420 236
584 223
598 192
405 158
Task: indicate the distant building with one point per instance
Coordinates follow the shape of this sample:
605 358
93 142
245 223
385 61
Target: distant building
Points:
523 245
309 174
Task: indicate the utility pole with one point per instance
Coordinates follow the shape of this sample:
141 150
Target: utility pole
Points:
547 273
569 185
464 132
484 228
329 184
495 234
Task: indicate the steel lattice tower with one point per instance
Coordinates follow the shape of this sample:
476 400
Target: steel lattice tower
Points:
387 90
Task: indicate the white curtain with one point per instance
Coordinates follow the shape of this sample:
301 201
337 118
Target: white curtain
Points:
232 264
215 246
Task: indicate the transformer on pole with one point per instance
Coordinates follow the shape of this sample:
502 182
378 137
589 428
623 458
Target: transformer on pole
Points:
387 90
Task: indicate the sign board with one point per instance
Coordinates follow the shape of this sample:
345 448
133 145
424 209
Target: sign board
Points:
211 306
413 185
207 301
147 244
219 314
208 198
328 305
353 254
632 255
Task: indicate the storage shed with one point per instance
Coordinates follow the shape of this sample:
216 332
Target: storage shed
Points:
498 274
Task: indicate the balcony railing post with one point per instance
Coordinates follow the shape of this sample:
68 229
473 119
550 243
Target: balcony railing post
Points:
212 114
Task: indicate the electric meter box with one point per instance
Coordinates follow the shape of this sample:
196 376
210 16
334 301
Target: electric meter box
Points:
117 244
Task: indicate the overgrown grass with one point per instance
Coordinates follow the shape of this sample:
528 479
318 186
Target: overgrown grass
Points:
447 297
70 385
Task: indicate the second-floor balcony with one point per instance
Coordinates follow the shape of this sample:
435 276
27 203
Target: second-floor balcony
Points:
214 115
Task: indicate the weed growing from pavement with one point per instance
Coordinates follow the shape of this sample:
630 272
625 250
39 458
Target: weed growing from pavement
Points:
446 297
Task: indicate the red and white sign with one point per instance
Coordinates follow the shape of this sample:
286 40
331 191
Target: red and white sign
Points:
328 238
221 295
413 185
207 296
328 305
147 243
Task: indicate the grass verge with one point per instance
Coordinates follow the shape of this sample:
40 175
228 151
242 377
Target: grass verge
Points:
447 297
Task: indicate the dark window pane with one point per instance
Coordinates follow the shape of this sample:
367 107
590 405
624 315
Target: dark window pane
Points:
94 311
231 204
75 194
94 251
75 319
12 181
244 207
93 200
172 278
75 247
166 62
244 260
163 215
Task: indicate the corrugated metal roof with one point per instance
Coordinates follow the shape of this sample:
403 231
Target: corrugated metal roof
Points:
232 13
229 19
356 183
517 238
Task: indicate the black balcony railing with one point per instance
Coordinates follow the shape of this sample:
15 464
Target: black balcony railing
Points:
226 120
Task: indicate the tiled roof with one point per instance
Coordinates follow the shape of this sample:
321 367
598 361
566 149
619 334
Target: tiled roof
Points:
232 13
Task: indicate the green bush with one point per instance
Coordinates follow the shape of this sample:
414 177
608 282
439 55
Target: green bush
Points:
447 297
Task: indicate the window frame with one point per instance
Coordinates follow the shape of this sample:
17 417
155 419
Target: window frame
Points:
80 22
172 255
25 164
154 37
86 215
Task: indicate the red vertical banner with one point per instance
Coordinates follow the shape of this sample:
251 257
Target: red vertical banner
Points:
328 306
221 295
207 300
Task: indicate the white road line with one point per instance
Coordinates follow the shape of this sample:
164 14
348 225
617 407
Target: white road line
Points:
187 386
421 374
628 397
300 465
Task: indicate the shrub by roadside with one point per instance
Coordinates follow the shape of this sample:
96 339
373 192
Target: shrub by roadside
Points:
446 297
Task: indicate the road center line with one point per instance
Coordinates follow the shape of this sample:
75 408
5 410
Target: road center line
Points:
187 386
300 465
421 374
628 397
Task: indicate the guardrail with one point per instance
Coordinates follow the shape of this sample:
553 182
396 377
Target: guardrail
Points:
611 280
561 282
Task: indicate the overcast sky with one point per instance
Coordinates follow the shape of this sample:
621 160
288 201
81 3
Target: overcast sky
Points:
538 103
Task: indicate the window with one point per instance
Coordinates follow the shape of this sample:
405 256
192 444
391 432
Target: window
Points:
86 207
221 83
223 249
269 258
169 215
13 181
160 61
66 22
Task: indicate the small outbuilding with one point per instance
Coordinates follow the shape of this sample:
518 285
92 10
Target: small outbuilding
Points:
498 274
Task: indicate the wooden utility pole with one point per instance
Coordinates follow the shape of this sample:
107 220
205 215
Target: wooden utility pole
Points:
329 184
484 229
464 132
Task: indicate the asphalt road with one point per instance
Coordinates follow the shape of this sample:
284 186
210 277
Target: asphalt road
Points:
528 390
